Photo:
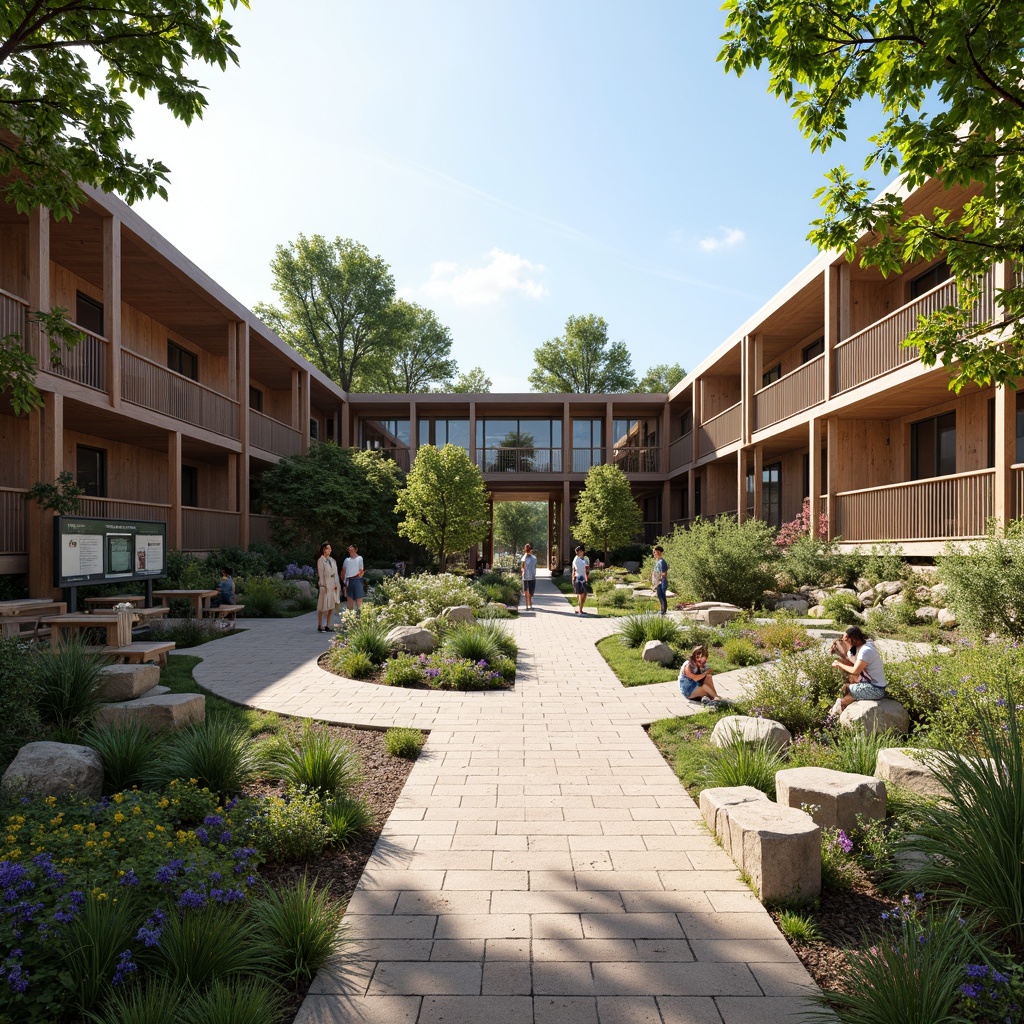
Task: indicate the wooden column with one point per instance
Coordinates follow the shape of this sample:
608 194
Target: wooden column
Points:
346 426
38 279
741 485
240 332
565 543
414 433
609 444
691 493
832 474
174 534
232 486
666 508
567 458
472 433
758 482
1005 454
46 442
833 305
305 411
747 388
697 412
665 430
814 470
112 305
293 413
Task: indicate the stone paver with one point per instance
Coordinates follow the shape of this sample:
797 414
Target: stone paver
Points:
542 863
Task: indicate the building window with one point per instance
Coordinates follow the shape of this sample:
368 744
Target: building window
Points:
686 422
190 486
931 278
771 494
330 428
440 432
256 399
807 475
89 313
180 360
587 444
772 375
812 351
933 447
91 470
314 429
519 446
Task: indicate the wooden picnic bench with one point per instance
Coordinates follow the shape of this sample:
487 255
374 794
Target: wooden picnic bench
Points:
223 611
139 652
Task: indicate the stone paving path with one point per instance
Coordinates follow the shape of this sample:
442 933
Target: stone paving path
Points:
542 863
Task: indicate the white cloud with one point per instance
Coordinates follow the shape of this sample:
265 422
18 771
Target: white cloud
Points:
504 274
726 239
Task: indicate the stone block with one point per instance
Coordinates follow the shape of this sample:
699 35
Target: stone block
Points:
658 652
716 802
946 619
866 598
792 604
838 798
412 639
927 613
126 682
56 769
458 613
779 848
876 716
912 769
750 730
160 714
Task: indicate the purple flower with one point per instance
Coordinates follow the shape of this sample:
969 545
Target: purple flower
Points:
971 991
844 841
976 971
125 967
213 819
225 837
129 878
149 933
169 871
202 835
998 978
191 899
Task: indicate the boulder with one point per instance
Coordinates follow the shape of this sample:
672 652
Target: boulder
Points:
126 682
927 613
911 769
159 714
458 613
922 593
56 769
889 589
796 605
744 728
430 623
716 802
833 799
661 653
866 598
940 592
946 619
714 613
817 612
876 716
631 566
412 639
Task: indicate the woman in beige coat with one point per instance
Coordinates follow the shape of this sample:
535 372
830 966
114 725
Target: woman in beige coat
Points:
330 589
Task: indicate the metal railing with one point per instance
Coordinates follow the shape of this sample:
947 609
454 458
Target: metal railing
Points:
799 389
520 460
720 430
584 458
680 451
86 363
878 349
13 521
123 508
203 529
152 386
941 508
637 460
272 435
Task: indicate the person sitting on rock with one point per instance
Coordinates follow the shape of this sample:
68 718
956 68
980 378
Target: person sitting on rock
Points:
858 658
695 680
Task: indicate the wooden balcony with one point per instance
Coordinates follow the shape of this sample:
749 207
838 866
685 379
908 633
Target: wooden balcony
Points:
720 430
273 436
123 508
520 460
637 460
13 521
87 362
943 508
584 458
204 529
151 386
680 451
879 349
12 315
800 389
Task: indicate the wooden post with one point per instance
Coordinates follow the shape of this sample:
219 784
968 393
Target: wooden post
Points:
814 470
302 377
567 456
174 534
566 540
695 454
758 482
472 433
240 333
112 304
741 484
609 433
1006 451
833 305
414 433
747 389
832 474
38 279
666 508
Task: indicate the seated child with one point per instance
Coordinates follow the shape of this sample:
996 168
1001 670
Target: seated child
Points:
857 657
225 589
695 681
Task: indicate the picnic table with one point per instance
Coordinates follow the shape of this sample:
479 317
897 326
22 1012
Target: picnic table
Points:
200 598
21 618
72 623
108 602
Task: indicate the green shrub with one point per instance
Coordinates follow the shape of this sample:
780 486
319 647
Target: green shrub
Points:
857 750
813 562
18 694
185 632
186 571
784 692
740 651
447 673
137 1004
403 742
985 582
782 636
619 598
798 927
322 763
403 670
366 635
353 664
884 563
217 754
234 1000
494 611
636 630
472 641
506 668
261 597
346 818
288 830
127 750
406 600
843 609
744 764
68 681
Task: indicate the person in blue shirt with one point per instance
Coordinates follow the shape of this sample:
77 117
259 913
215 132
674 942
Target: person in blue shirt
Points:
225 589
659 578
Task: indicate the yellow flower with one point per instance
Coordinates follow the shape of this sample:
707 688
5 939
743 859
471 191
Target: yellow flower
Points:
117 798
163 801
106 835
151 835
50 801
118 818
137 809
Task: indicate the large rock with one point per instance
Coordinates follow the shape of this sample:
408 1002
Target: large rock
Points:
866 598
159 714
126 682
885 715
56 769
661 653
779 848
890 588
911 769
412 639
834 799
631 566
946 619
792 604
715 804
927 613
894 599
714 613
750 730
458 613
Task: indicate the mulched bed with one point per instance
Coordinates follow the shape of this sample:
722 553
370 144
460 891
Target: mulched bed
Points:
377 679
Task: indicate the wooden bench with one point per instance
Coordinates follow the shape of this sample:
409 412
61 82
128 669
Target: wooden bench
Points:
140 652
223 611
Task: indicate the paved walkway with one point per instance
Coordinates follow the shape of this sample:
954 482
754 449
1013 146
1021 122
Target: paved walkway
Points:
542 862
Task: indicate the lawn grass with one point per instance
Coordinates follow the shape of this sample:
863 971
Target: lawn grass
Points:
685 744
631 669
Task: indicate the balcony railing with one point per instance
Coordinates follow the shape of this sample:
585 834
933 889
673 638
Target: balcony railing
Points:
152 386
12 315
124 508
942 508
637 460
520 460
878 349
86 362
584 458
721 430
13 530
680 451
203 529
1017 478
272 435
800 389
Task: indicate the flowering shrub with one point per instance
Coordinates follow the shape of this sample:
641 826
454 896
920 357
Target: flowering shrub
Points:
838 868
287 828
444 672
404 601
294 571
801 526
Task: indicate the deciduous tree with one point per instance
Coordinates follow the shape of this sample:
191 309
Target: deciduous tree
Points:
948 76
444 504
420 359
583 362
521 522
607 516
661 378
472 382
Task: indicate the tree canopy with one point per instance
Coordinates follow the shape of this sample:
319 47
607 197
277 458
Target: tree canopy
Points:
583 362
443 506
66 72
336 305
521 522
607 516
661 378
948 76
419 357
471 382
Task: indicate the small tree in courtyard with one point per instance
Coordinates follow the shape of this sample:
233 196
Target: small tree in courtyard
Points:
444 504
607 516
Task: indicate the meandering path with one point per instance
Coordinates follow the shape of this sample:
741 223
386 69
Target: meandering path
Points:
543 862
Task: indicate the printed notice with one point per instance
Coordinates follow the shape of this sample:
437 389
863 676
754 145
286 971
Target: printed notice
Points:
119 554
82 555
149 553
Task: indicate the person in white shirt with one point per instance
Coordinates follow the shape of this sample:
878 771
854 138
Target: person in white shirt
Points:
352 573
529 570
580 576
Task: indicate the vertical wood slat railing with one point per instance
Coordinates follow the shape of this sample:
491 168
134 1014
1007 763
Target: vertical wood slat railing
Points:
721 430
1017 478
13 521
879 348
12 316
680 451
204 529
800 389
637 460
86 363
155 387
941 508
123 508
272 435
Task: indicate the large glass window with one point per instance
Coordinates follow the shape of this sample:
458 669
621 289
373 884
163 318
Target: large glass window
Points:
180 360
519 446
635 445
930 279
384 434
441 432
933 447
91 470
771 494
772 375
587 444
89 313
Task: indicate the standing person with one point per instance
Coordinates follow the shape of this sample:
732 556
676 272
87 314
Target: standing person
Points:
330 590
659 578
352 569
529 570
859 659
580 577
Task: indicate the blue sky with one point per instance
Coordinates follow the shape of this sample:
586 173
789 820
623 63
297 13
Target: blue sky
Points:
514 163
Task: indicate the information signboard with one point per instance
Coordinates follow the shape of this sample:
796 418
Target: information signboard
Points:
87 550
